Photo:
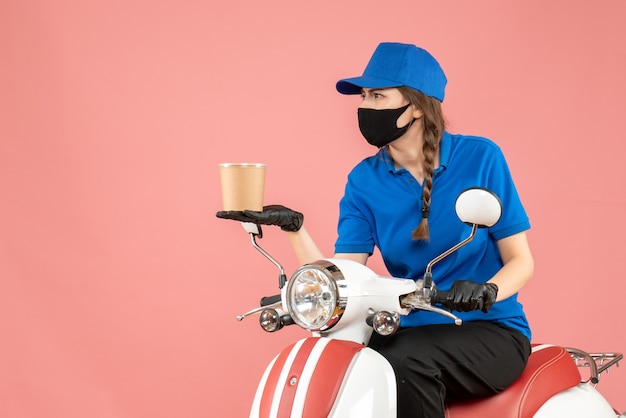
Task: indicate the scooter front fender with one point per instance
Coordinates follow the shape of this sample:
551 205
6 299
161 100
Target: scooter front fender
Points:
326 377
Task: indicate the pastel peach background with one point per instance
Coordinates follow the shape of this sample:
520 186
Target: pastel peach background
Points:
118 286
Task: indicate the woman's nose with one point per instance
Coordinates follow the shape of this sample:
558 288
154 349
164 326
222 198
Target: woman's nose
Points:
366 104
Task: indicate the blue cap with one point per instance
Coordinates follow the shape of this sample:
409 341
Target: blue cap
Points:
394 65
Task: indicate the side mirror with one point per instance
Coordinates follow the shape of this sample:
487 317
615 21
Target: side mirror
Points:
478 206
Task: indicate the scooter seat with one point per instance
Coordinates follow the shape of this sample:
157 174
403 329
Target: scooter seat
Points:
550 370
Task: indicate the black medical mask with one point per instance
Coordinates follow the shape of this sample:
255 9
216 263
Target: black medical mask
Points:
380 127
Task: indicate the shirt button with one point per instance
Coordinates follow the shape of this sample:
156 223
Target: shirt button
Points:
410 180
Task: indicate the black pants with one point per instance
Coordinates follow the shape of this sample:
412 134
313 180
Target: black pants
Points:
439 364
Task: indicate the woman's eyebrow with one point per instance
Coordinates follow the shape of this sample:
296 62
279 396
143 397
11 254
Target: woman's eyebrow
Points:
364 90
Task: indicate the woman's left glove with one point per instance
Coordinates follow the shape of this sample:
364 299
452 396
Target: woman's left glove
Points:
465 296
279 215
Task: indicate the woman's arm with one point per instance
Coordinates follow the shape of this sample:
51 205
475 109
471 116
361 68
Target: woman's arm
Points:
518 265
305 248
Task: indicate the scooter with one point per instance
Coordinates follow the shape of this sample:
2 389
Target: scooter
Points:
333 373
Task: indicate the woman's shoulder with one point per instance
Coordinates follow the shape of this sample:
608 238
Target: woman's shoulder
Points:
473 144
472 141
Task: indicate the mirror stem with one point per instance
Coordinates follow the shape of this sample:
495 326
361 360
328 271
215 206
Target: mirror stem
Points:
281 277
428 275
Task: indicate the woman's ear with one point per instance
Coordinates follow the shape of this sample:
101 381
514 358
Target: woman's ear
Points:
417 112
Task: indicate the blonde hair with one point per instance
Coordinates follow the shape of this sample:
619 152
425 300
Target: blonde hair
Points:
434 125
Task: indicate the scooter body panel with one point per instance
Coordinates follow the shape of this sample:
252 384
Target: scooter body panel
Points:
581 401
369 389
326 377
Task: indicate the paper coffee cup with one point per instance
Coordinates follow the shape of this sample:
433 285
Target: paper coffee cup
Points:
243 185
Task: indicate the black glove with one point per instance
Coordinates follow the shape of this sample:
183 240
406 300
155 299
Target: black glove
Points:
465 296
287 219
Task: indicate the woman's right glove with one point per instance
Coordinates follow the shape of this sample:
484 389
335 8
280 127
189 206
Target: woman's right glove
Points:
465 296
279 215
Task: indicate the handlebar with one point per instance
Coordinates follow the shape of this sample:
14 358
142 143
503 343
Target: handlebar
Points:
270 300
440 296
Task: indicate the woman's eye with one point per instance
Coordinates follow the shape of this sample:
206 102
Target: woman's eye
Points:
372 95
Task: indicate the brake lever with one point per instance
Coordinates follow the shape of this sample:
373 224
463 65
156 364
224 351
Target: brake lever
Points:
258 310
415 301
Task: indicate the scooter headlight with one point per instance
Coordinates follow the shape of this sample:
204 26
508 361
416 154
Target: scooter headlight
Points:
313 297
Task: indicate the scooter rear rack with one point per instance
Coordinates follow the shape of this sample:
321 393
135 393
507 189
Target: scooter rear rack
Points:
597 362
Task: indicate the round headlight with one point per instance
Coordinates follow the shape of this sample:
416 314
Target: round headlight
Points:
312 297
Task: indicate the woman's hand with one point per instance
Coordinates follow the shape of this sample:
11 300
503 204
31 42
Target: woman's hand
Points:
465 296
287 219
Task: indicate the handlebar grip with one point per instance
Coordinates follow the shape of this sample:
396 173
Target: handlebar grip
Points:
440 296
270 300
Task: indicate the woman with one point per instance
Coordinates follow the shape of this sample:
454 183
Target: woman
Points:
401 200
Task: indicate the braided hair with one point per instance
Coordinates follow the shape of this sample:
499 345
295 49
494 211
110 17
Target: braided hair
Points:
434 125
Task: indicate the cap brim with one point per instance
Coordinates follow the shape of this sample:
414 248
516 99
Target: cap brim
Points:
354 85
